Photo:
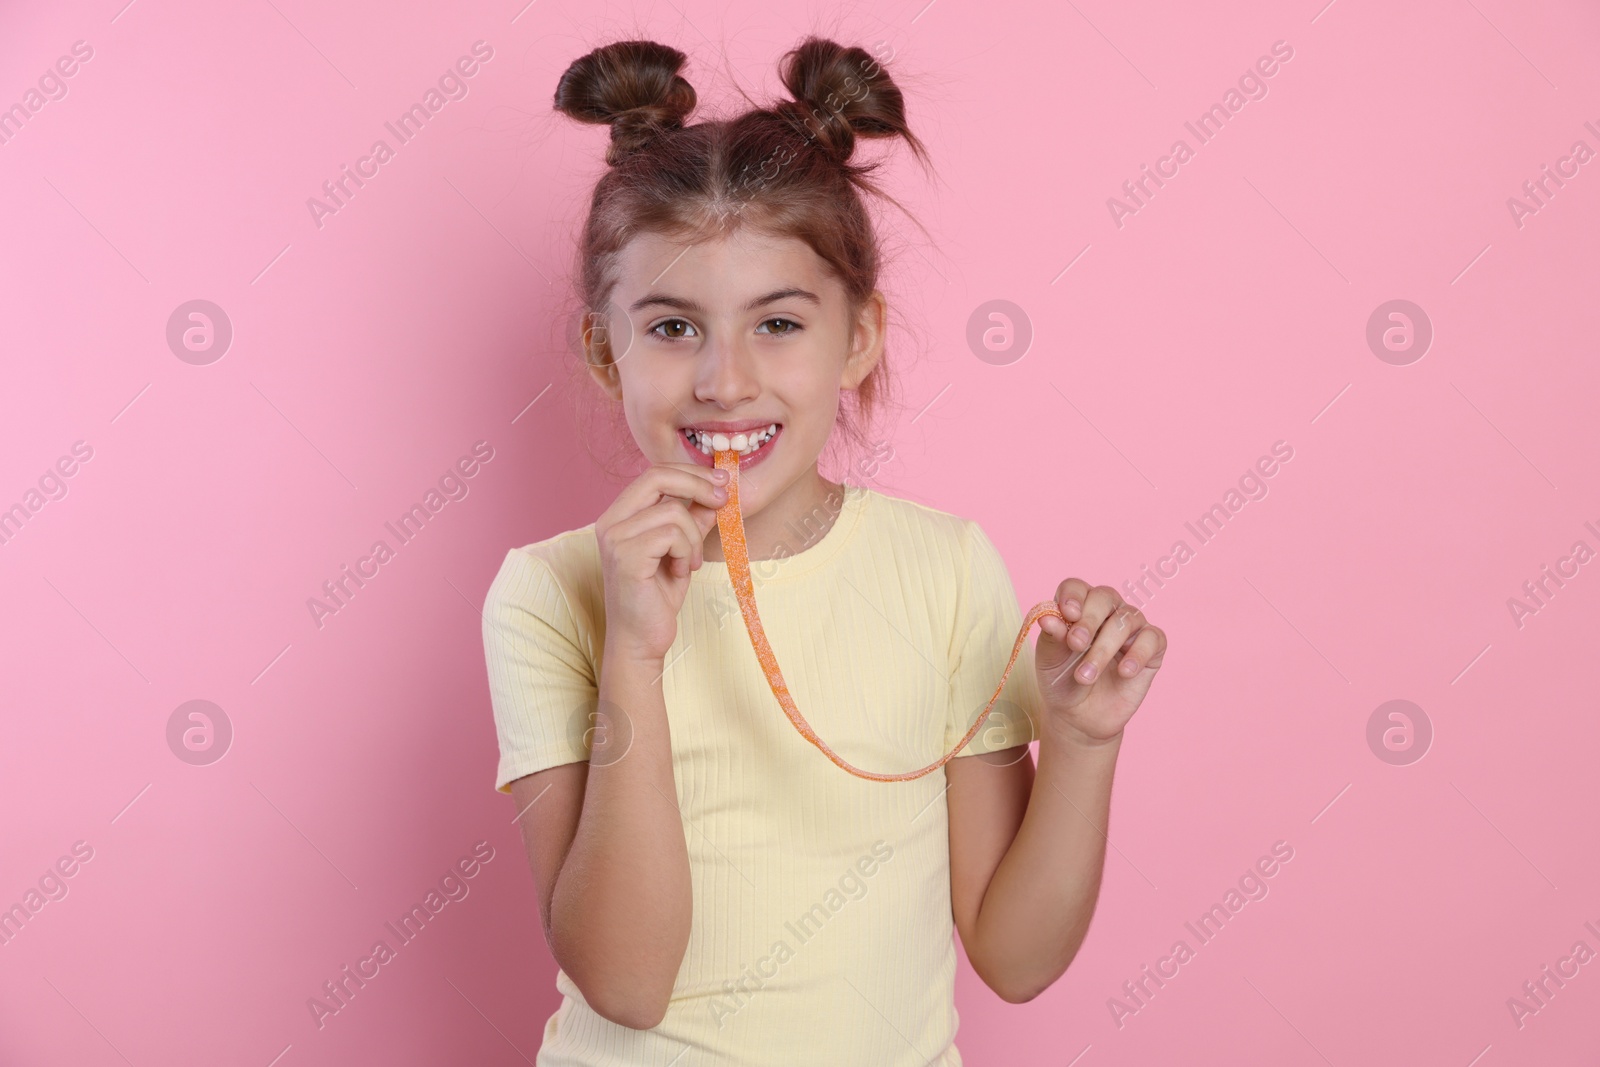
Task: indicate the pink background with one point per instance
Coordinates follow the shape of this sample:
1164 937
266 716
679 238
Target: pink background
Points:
369 354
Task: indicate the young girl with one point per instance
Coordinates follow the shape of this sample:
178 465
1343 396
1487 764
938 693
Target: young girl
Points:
713 888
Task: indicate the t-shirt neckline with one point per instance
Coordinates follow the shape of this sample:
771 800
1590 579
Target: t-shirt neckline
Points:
804 560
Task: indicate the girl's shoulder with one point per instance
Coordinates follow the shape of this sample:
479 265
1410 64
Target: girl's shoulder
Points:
954 557
567 552
912 512
557 578
912 523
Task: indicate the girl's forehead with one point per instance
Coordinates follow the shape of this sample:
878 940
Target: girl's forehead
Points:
745 258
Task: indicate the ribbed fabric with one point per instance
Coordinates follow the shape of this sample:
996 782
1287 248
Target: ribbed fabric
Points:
821 931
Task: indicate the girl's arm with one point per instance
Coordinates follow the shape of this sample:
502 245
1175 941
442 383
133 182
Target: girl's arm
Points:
1026 854
608 851
1026 849
605 841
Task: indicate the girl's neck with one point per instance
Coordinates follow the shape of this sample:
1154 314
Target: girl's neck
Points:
789 525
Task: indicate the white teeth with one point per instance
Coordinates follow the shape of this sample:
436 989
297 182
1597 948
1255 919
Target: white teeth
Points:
743 443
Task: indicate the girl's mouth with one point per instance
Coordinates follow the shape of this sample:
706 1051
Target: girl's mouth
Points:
757 444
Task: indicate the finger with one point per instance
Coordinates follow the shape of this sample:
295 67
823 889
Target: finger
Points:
1143 650
1125 620
643 554
686 481
670 514
690 519
701 520
704 517
705 488
1069 597
1098 604
680 551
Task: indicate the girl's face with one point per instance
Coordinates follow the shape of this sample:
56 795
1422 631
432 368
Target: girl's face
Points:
733 335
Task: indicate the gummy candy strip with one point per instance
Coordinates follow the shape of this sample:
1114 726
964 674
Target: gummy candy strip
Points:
730 524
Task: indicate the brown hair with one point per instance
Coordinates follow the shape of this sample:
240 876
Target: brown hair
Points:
782 169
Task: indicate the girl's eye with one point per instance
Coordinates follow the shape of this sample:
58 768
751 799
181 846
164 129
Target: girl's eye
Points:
671 324
681 329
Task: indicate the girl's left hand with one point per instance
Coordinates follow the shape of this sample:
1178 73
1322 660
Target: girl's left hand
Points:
1109 641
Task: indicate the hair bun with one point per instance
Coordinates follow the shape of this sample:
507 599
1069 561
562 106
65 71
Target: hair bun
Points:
633 86
841 93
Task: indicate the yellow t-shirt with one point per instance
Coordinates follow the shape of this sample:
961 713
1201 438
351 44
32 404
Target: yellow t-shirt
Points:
821 930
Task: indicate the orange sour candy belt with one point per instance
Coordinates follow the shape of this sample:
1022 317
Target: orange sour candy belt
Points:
730 524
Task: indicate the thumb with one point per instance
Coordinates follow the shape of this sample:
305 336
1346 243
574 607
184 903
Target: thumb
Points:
1052 651
706 516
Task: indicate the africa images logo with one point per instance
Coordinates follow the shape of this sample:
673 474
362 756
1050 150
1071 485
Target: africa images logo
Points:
338 991
452 85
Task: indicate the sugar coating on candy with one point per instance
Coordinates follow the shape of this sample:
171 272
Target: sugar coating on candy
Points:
730 525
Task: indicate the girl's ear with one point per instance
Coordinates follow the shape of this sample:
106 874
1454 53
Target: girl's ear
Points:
866 340
606 375
597 355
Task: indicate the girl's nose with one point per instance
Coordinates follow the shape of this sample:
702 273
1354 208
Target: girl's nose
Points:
726 375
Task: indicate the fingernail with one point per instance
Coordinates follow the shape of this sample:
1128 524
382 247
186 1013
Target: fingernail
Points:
720 474
1086 672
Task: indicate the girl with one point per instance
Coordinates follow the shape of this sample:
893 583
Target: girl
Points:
713 889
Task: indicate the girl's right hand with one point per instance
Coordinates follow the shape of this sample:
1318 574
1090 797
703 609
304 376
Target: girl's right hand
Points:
651 538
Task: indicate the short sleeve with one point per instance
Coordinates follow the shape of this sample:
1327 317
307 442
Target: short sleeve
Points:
541 681
987 620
